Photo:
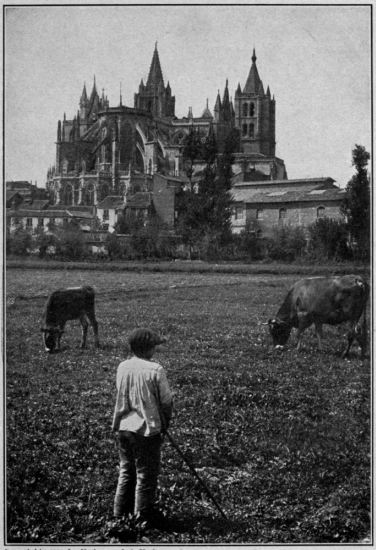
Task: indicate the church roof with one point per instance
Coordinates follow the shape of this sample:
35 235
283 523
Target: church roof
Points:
323 181
39 205
79 208
139 200
111 201
253 84
19 185
155 73
252 196
10 194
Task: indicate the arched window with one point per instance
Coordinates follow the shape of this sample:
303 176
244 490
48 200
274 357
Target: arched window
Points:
252 109
89 195
245 129
252 130
259 214
245 109
282 213
68 195
321 212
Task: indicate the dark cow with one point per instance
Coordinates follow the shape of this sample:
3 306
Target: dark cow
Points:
65 305
323 300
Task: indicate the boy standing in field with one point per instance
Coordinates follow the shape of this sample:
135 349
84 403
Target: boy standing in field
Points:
142 413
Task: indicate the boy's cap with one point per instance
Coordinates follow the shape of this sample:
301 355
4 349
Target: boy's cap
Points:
145 337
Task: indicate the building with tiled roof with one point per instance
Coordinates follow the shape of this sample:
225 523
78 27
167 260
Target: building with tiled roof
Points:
32 218
263 206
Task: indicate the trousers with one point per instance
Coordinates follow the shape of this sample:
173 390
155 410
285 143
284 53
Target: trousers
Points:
138 475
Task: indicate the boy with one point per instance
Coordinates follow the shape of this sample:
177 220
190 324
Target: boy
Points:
142 413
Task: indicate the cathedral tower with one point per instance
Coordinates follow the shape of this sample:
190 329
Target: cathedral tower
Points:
255 115
154 97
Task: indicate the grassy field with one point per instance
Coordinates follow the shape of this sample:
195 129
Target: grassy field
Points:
281 439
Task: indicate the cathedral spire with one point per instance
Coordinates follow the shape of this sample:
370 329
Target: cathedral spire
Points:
218 104
155 73
253 84
206 113
226 99
83 99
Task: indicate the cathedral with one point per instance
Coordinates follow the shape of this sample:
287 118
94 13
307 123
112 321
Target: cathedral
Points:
122 159
106 151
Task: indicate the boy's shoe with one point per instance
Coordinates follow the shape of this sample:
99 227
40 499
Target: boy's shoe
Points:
153 520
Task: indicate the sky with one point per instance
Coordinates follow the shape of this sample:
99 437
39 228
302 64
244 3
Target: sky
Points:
315 59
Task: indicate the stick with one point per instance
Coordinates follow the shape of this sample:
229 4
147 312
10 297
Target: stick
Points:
175 445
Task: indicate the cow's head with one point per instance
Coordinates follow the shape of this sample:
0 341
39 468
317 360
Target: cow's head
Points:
280 332
50 337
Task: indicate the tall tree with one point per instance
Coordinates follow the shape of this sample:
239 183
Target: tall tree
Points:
356 205
191 152
204 210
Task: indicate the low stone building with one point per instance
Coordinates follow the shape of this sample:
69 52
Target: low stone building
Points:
44 216
264 205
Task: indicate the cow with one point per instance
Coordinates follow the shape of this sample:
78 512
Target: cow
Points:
323 300
65 305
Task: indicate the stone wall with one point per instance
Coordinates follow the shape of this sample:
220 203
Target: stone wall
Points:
267 216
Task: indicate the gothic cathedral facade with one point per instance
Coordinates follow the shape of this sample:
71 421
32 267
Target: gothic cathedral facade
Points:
105 151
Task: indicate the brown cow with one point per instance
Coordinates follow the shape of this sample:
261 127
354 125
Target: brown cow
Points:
323 300
65 305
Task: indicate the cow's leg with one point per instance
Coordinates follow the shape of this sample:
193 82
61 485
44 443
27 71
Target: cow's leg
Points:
303 323
357 331
94 324
84 325
361 335
319 334
350 339
59 335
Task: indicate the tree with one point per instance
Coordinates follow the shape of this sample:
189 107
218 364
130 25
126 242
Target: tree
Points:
129 222
43 241
70 242
287 243
19 241
191 151
356 204
204 210
113 246
328 239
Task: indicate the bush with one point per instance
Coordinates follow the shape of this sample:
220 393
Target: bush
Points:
113 246
44 241
287 243
250 246
19 242
70 242
328 240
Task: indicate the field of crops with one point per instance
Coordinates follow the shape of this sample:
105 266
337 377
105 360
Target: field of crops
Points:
282 439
